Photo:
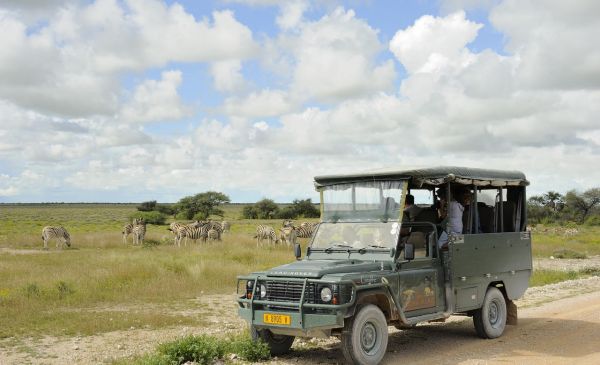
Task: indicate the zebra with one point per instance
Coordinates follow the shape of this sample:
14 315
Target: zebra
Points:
128 229
192 232
60 233
225 226
213 235
288 223
288 235
305 230
265 232
139 232
175 226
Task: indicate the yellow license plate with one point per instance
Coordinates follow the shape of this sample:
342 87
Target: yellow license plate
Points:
280 319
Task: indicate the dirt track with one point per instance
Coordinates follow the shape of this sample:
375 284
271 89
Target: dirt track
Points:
551 330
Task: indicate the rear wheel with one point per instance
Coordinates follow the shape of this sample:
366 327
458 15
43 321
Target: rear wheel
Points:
365 338
490 319
278 344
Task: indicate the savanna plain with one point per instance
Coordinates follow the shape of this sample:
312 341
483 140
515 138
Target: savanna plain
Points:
101 285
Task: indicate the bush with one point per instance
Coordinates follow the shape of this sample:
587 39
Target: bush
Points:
569 254
64 289
201 349
593 221
150 217
166 209
248 350
147 206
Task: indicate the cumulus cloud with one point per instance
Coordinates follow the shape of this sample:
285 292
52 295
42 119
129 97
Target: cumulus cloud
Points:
156 100
227 76
265 103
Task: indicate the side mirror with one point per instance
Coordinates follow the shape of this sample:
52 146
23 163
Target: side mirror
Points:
409 251
297 251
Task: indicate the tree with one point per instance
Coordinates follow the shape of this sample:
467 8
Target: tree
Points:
147 206
263 209
201 206
305 208
582 204
553 200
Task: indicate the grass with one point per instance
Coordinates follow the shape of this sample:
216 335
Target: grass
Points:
101 284
546 277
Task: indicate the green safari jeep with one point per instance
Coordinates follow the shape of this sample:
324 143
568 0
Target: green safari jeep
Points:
376 260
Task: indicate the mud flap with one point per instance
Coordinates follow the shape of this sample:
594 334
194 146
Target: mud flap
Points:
512 317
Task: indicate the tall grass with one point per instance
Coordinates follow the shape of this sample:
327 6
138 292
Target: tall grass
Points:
586 242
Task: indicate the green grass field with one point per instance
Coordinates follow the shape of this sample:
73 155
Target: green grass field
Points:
101 284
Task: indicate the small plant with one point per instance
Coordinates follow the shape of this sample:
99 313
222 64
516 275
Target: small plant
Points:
249 350
32 290
64 289
150 243
568 254
200 349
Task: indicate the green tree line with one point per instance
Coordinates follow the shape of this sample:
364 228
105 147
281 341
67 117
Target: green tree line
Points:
574 206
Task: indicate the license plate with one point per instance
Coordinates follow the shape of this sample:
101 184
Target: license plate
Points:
280 319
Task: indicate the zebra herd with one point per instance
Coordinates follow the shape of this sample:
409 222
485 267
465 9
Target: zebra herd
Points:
205 230
288 233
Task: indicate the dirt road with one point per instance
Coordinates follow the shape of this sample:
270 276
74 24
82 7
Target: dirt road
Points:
551 330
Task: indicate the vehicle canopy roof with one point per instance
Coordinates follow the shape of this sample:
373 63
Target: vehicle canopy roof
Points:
432 176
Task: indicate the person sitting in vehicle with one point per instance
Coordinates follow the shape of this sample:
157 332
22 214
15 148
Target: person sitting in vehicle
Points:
451 216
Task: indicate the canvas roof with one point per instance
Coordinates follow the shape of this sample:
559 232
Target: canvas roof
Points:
433 176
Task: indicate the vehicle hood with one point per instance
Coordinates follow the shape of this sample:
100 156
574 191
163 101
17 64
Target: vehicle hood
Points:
319 268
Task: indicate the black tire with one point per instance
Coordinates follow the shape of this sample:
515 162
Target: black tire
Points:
278 344
490 319
365 338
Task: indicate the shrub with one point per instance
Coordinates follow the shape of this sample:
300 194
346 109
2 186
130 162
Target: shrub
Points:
147 206
593 221
64 289
166 209
249 350
32 290
150 217
200 349
568 254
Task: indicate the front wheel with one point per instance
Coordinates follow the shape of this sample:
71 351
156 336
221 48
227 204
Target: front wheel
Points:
365 338
278 344
490 319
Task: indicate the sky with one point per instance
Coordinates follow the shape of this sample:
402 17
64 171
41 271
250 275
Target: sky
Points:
137 100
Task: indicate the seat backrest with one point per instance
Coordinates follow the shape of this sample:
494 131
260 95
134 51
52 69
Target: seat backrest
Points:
509 215
486 217
427 215
419 242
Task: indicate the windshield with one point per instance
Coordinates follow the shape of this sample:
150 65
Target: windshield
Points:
362 201
356 235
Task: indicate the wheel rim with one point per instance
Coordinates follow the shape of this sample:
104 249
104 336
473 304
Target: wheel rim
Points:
494 314
368 337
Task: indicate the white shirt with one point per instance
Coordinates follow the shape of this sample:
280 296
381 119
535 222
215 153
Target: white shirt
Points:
455 215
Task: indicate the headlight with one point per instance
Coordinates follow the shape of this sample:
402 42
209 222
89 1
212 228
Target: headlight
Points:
326 294
263 291
249 284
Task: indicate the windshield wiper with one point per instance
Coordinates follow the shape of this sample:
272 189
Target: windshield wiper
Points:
377 246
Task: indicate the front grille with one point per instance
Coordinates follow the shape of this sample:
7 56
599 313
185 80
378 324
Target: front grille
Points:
289 291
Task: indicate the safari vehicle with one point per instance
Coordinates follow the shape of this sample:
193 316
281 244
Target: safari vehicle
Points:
368 267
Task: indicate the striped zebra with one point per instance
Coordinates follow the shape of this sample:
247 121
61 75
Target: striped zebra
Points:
175 226
288 235
139 232
265 232
288 223
192 232
59 233
305 230
213 235
128 229
225 226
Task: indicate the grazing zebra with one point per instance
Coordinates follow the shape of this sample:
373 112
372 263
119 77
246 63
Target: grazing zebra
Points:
288 235
59 233
265 232
225 226
139 232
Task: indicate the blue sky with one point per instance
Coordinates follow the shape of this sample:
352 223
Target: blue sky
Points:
133 100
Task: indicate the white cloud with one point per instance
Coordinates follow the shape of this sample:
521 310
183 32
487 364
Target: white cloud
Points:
434 43
227 76
265 103
291 13
156 100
